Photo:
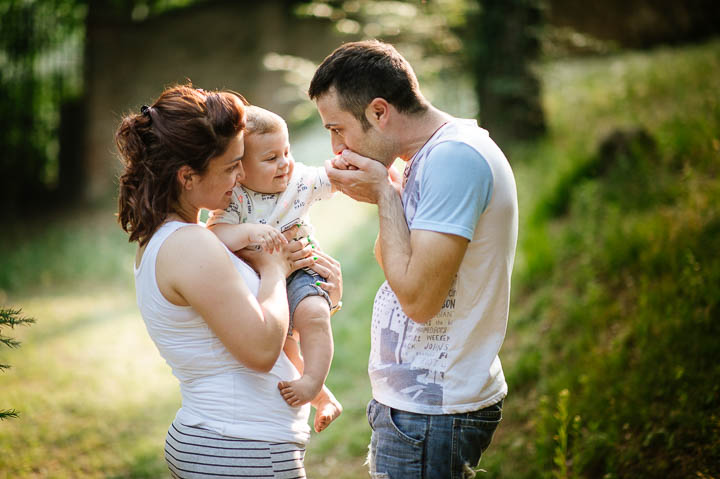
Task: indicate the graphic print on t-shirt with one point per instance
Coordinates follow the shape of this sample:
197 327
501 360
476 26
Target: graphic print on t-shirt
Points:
417 353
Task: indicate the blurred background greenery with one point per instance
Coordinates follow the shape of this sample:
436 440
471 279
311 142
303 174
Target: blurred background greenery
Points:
609 113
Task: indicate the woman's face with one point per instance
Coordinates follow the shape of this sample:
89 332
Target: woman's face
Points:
214 190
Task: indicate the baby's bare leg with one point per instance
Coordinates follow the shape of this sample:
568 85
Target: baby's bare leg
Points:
327 408
312 322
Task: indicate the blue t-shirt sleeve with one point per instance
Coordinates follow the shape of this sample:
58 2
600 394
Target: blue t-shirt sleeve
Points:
455 189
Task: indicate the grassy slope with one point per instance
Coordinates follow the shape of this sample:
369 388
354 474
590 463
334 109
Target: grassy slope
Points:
615 290
612 353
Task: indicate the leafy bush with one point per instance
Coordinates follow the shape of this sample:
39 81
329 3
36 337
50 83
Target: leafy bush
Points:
623 289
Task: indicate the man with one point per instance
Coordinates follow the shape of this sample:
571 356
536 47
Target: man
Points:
448 230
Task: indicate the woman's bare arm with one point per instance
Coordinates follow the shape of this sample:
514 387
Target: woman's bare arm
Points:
194 269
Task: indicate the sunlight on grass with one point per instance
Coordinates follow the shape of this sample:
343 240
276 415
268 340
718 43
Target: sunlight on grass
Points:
87 375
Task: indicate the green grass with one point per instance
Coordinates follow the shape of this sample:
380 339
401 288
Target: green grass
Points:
610 356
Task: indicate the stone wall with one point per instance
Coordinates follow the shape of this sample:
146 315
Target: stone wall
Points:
215 45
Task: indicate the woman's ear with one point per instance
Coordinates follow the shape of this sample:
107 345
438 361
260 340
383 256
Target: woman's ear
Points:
186 177
377 111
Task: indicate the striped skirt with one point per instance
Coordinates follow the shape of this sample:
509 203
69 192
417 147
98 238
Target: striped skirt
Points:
193 452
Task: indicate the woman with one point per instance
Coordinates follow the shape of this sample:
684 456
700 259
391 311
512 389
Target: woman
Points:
218 322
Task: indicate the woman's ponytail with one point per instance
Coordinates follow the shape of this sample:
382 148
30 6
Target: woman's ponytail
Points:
184 126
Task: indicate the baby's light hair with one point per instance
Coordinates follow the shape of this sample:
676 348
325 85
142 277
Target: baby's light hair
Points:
260 121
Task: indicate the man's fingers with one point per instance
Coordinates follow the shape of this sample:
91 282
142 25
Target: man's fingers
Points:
353 159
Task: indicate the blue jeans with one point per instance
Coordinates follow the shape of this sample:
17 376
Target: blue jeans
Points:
418 446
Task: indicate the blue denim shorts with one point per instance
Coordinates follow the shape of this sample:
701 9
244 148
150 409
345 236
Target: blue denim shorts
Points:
420 446
300 285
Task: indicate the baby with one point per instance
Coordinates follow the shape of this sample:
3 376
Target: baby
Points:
274 197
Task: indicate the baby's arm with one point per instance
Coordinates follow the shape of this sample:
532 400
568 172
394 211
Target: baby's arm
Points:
237 237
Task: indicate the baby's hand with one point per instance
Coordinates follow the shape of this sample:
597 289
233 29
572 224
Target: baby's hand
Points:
265 237
339 162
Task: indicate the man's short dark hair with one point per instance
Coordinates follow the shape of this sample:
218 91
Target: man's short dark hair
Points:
363 71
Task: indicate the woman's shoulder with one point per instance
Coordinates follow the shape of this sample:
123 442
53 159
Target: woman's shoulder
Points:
193 241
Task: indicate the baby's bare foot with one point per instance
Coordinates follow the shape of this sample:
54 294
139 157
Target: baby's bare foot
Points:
300 391
327 409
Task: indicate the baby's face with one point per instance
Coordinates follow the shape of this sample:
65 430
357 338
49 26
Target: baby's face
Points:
267 162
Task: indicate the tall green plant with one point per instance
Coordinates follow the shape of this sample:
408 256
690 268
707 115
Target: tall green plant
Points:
10 317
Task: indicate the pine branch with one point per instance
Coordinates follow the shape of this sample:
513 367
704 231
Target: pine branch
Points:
8 413
9 342
12 317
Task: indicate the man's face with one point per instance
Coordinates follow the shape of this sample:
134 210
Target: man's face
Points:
346 131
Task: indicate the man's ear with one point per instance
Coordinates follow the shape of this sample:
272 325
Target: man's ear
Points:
186 177
377 112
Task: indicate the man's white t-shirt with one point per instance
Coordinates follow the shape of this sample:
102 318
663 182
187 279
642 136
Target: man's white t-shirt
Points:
458 183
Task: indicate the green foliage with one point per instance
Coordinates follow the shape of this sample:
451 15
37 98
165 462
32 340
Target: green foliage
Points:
428 34
10 317
623 307
41 62
79 247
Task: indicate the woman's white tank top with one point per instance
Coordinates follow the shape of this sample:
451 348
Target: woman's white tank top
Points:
218 392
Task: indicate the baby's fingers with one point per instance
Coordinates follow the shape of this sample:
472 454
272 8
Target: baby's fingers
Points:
278 241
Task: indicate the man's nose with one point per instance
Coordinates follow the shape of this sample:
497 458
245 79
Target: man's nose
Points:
338 146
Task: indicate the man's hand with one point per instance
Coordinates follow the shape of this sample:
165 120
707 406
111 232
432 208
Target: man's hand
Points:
361 178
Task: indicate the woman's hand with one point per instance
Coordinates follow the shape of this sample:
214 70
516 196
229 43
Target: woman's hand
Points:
299 253
329 268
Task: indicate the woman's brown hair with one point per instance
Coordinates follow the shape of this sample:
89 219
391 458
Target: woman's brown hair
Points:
184 126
